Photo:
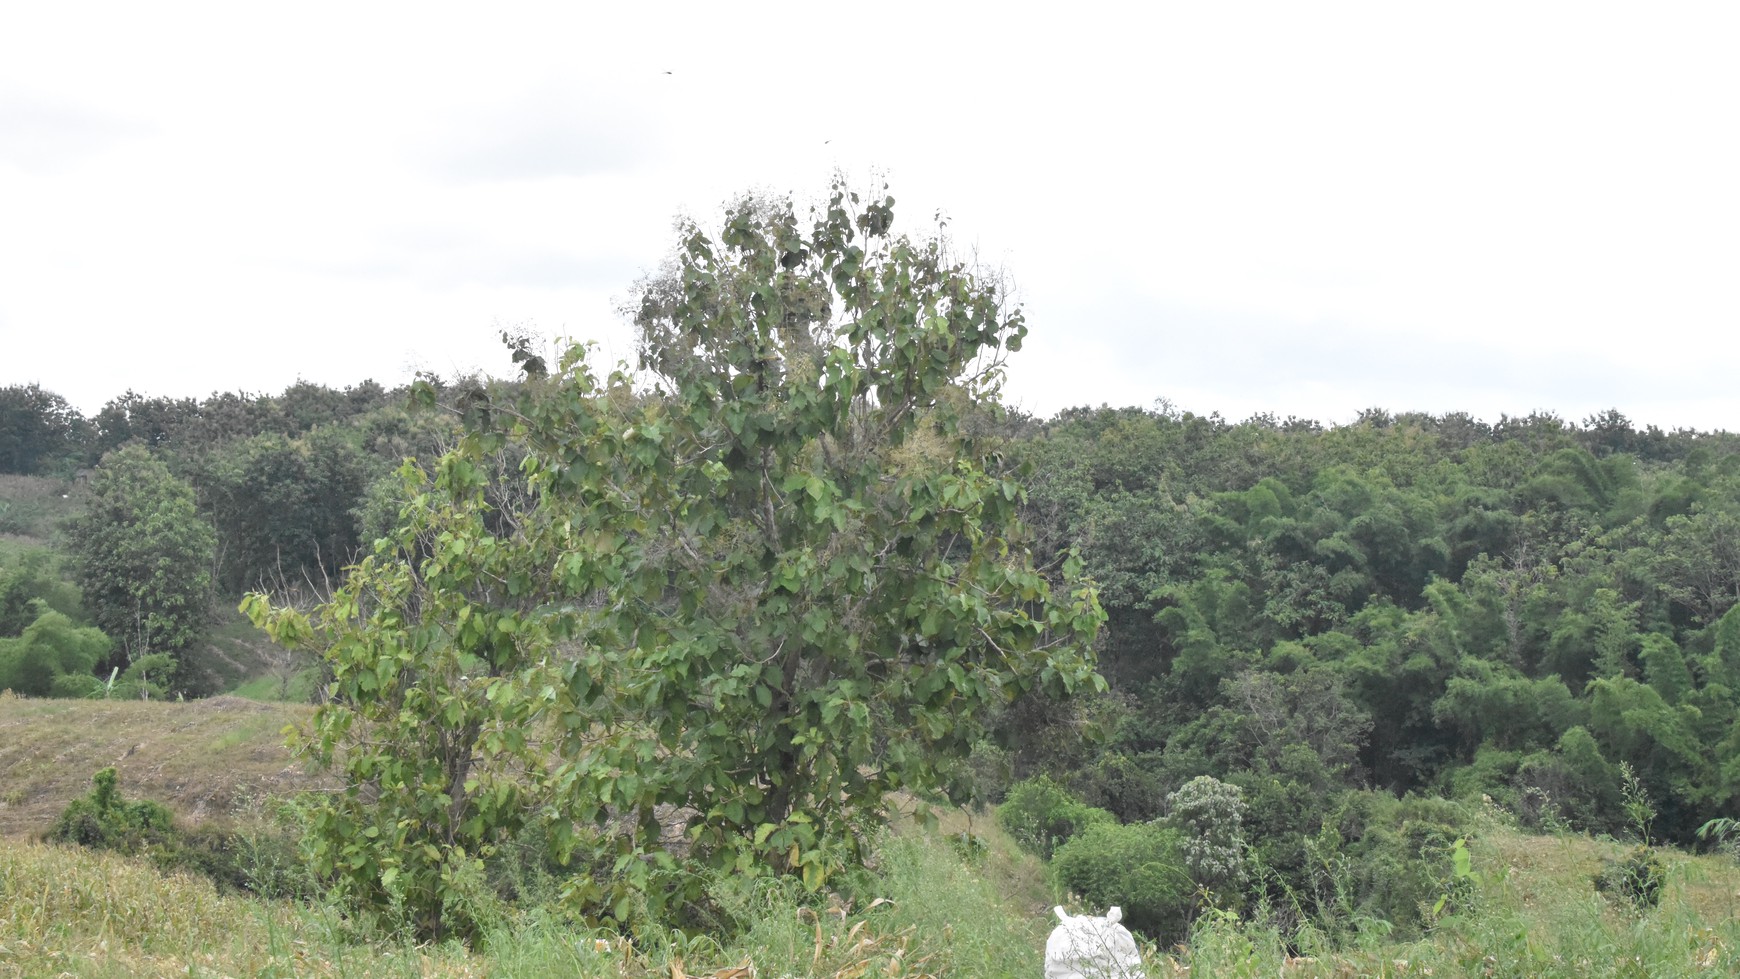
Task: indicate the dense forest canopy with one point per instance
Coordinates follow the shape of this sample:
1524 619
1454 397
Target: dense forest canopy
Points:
1522 611
1479 590
1481 593
185 502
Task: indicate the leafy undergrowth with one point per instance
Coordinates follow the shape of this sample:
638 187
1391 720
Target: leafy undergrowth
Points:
1534 915
204 759
937 913
942 906
960 900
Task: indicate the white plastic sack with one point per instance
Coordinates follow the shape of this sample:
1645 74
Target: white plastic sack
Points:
1085 947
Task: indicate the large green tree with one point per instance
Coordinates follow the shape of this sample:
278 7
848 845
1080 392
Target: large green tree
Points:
283 508
142 556
749 602
39 431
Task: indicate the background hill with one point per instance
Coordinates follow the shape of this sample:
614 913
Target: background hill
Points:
205 759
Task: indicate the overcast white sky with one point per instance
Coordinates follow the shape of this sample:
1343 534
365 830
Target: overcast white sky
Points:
1303 208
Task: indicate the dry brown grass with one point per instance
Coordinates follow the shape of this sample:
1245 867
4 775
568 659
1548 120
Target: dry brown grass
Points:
204 759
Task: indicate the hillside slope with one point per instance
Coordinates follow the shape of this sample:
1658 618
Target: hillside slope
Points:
202 758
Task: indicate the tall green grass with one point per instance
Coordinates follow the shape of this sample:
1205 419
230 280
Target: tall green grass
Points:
925 910
1535 915
929 907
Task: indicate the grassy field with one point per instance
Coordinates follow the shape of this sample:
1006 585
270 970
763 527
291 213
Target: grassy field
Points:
204 759
930 907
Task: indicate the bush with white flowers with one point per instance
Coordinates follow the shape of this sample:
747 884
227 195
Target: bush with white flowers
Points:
1087 947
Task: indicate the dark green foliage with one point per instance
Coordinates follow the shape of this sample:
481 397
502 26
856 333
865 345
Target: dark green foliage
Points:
77 686
1290 734
1634 882
262 858
1042 816
1131 787
1412 602
143 557
1664 668
981 779
1285 808
188 428
305 406
282 479
30 576
39 432
146 678
51 650
105 821
1509 611
1498 708
1360 857
1139 867
258 852
284 509
1572 785
1402 858
134 418
1699 559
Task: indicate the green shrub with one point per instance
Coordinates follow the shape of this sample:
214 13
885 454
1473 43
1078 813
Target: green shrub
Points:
1042 816
524 871
1280 815
1399 873
257 858
147 679
1401 859
25 518
1635 880
104 821
1574 783
1138 867
1130 788
50 647
260 859
1398 864
28 576
1209 816
75 686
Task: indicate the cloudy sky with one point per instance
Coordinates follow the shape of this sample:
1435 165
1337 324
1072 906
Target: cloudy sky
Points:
1307 209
